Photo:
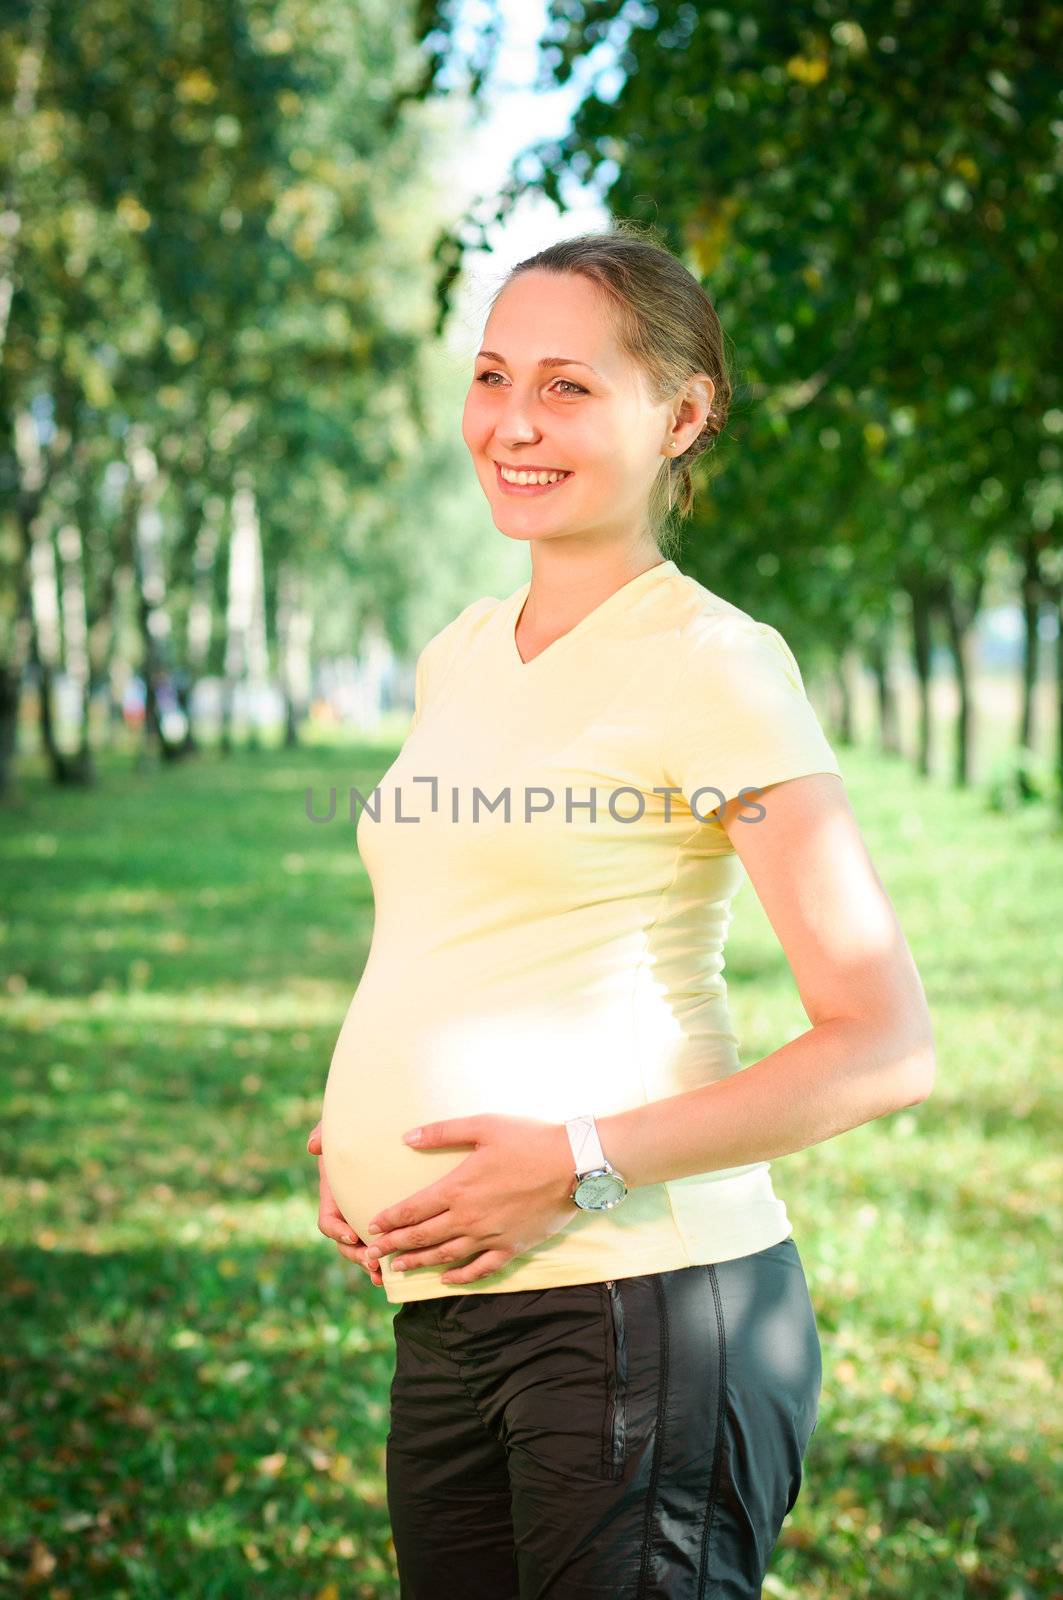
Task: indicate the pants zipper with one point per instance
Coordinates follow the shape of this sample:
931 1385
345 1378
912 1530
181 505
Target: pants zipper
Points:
616 1431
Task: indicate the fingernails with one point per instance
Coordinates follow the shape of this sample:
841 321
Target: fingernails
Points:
348 1238
399 1266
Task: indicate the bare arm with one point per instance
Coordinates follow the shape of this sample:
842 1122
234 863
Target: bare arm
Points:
870 1049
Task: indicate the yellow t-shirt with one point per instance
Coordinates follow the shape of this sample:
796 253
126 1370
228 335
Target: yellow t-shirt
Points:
555 961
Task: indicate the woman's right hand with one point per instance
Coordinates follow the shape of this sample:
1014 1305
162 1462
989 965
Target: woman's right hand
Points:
331 1221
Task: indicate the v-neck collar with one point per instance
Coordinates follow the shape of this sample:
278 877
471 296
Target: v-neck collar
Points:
609 604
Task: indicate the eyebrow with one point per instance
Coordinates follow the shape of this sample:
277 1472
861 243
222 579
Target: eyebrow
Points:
547 361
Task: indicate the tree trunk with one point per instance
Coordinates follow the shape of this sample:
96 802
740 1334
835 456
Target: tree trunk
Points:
1059 693
38 644
960 617
294 627
843 720
10 694
154 618
76 642
246 658
921 646
1031 610
12 672
23 107
108 664
201 609
878 660
46 645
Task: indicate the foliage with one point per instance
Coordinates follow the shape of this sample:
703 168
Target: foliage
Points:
870 200
196 1384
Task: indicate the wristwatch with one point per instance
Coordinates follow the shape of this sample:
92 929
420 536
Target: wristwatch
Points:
598 1186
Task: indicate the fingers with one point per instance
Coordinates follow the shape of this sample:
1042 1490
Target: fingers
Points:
453 1253
357 1253
338 1229
427 1244
347 1242
482 1267
436 1233
313 1144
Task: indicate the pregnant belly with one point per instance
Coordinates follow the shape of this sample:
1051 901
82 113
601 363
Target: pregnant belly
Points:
390 1073
401 1061
366 1162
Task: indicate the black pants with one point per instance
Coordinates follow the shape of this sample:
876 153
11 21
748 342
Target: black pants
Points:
632 1440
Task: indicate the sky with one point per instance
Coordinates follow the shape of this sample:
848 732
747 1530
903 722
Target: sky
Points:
518 117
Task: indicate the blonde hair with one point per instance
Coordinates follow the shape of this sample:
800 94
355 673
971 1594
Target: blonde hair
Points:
665 321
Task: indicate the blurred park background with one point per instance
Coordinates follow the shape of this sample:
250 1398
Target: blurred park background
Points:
246 251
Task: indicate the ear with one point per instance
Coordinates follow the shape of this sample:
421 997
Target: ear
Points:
697 402
693 411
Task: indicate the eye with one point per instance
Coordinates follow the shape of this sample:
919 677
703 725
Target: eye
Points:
483 377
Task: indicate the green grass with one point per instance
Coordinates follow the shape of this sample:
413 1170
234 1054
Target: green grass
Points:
195 1383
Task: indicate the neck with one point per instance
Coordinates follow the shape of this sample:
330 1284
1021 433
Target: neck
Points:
565 585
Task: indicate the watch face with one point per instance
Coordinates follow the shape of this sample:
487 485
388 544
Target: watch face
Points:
600 1191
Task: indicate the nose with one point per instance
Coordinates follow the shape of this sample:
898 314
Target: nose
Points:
514 424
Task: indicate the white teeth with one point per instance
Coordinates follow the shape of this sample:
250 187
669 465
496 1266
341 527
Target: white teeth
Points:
530 477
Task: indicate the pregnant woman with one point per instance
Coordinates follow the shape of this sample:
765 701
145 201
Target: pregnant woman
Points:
536 1132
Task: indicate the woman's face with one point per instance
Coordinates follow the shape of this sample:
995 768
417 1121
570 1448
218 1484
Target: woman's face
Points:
589 416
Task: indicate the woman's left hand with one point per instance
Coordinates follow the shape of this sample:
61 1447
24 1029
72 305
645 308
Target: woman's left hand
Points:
509 1195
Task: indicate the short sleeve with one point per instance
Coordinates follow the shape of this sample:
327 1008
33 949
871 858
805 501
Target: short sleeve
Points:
740 717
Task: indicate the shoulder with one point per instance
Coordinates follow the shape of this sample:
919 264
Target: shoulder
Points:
718 640
445 646
461 628
738 715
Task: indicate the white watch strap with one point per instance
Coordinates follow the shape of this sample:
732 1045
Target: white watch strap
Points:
587 1149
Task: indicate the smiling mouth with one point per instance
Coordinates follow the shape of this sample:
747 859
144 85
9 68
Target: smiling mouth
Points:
533 487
